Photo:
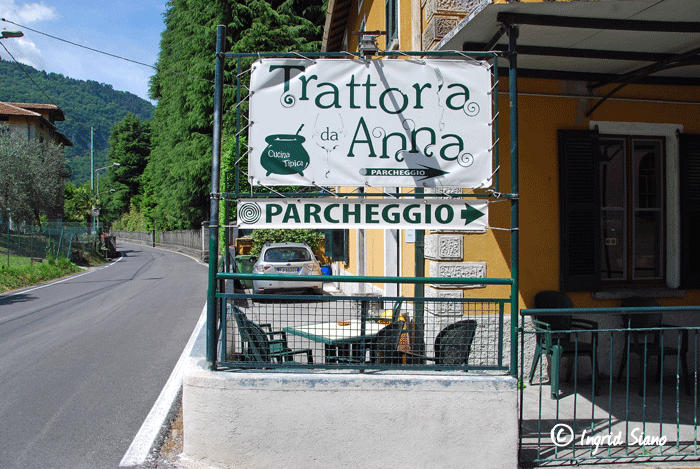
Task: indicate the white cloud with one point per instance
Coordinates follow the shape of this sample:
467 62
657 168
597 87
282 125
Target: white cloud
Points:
26 12
128 31
26 52
32 12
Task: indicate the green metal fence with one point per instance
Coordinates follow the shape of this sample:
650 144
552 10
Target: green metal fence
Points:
631 390
362 331
51 239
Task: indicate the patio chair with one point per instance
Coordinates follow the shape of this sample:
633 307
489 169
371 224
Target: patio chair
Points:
384 348
400 343
452 345
259 342
559 336
355 353
643 337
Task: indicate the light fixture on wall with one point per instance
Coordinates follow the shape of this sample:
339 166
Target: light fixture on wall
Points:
367 42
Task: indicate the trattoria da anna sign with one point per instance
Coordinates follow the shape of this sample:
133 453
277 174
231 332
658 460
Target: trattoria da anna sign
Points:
347 122
363 213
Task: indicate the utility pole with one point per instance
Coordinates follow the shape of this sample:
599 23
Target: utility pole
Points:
92 165
92 179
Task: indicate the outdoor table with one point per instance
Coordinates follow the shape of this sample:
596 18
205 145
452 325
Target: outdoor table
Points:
339 336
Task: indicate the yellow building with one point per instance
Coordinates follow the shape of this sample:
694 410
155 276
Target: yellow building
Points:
608 110
36 121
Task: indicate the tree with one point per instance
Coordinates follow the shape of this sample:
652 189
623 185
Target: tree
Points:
179 169
31 177
86 104
78 203
130 146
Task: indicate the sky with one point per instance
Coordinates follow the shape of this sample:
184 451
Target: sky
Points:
124 28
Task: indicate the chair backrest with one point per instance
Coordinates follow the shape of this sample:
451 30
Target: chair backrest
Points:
453 344
253 335
386 343
554 300
396 311
640 321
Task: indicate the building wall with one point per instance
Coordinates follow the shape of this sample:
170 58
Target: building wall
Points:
539 179
29 128
544 107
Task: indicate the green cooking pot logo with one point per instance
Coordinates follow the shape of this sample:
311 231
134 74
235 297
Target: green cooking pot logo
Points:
285 154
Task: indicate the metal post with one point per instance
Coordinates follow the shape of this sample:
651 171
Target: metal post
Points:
419 256
214 197
514 218
8 237
92 178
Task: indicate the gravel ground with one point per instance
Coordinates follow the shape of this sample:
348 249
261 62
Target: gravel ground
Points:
169 454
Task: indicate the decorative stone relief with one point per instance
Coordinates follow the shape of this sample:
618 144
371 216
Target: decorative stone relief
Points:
457 270
444 247
447 308
436 29
448 7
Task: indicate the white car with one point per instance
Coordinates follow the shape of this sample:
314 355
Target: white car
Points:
291 259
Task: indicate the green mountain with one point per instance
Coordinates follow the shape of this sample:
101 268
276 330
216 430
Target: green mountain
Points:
85 104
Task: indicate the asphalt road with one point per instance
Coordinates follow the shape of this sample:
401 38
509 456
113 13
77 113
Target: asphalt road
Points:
83 360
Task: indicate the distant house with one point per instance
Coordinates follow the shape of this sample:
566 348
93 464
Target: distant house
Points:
36 121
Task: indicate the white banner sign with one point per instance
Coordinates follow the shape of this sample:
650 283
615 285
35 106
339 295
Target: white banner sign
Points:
363 213
395 123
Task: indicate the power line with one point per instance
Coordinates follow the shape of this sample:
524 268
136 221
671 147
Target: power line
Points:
107 53
39 87
78 45
28 75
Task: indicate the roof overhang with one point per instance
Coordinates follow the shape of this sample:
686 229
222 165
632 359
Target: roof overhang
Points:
621 41
63 140
336 20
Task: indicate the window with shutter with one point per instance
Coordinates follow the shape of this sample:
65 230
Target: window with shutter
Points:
619 207
391 21
690 210
337 245
579 210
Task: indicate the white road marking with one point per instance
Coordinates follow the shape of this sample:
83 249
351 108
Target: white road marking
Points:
141 446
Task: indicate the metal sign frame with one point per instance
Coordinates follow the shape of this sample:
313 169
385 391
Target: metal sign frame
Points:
492 193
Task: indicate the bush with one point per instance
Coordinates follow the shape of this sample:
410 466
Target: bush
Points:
18 277
311 237
135 220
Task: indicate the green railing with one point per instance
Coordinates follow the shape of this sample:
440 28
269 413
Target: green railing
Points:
51 239
362 331
637 402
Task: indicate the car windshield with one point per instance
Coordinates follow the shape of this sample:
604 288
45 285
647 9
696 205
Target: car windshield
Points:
287 255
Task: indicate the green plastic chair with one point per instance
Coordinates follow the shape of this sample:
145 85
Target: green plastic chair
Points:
261 346
648 343
555 339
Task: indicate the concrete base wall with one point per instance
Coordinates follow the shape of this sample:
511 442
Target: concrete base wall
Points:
322 420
